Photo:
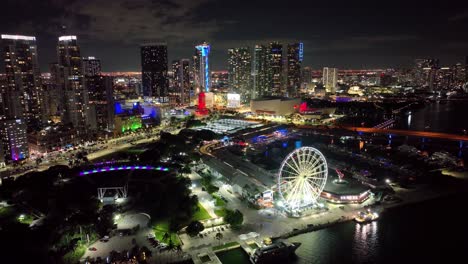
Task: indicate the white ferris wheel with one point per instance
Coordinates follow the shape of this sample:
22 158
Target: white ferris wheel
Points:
302 177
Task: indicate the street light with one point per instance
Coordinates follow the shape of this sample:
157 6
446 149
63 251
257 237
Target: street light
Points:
387 181
116 217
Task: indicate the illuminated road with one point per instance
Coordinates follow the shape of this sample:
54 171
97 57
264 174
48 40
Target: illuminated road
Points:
113 145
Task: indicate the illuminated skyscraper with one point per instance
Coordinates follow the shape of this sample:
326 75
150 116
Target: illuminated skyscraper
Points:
23 90
91 66
330 78
295 56
275 58
201 67
69 78
181 83
14 139
240 71
100 114
261 72
154 71
306 75
466 69
425 72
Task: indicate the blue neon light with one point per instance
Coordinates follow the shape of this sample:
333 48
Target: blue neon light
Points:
301 51
159 168
298 144
205 51
117 108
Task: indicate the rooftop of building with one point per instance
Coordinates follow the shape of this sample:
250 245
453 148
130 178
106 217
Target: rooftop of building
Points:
350 186
269 98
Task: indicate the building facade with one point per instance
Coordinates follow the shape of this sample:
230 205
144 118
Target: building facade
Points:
275 58
181 81
154 71
201 67
101 102
22 93
91 66
295 57
70 81
261 72
13 133
330 79
240 72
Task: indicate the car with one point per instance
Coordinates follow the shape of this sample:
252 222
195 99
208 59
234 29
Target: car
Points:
92 249
104 239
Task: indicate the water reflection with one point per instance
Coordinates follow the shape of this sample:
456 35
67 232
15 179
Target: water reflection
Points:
365 242
409 120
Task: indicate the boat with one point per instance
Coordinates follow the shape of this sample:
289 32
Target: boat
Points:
275 253
368 216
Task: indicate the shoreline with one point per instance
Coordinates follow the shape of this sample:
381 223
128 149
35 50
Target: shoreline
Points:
312 228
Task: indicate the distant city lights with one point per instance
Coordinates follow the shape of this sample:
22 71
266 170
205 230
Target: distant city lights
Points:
67 38
18 37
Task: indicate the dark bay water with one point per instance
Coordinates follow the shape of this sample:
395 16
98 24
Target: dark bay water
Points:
449 117
434 231
431 232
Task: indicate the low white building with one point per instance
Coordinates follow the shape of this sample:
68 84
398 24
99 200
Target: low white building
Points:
275 106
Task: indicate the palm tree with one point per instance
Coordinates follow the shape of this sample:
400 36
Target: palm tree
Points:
170 247
219 236
165 237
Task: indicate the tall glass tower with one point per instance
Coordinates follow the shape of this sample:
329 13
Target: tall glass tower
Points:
295 56
154 70
71 82
23 90
202 66
276 68
240 64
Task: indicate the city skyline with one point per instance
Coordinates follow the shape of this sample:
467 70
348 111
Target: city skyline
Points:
370 37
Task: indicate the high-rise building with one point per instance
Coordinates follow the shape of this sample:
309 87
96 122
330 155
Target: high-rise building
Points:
261 72
220 80
101 102
275 58
69 79
3 87
154 71
181 81
425 72
306 75
466 68
240 71
13 134
23 91
330 79
201 67
295 57
91 66
100 110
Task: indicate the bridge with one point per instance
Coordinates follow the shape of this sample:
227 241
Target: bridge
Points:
413 133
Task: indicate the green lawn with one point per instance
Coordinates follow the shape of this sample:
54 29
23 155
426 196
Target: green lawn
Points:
75 255
6 211
221 212
219 201
25 219
161 228
227 245
201 214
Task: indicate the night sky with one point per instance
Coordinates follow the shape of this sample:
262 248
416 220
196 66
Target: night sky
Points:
378 34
